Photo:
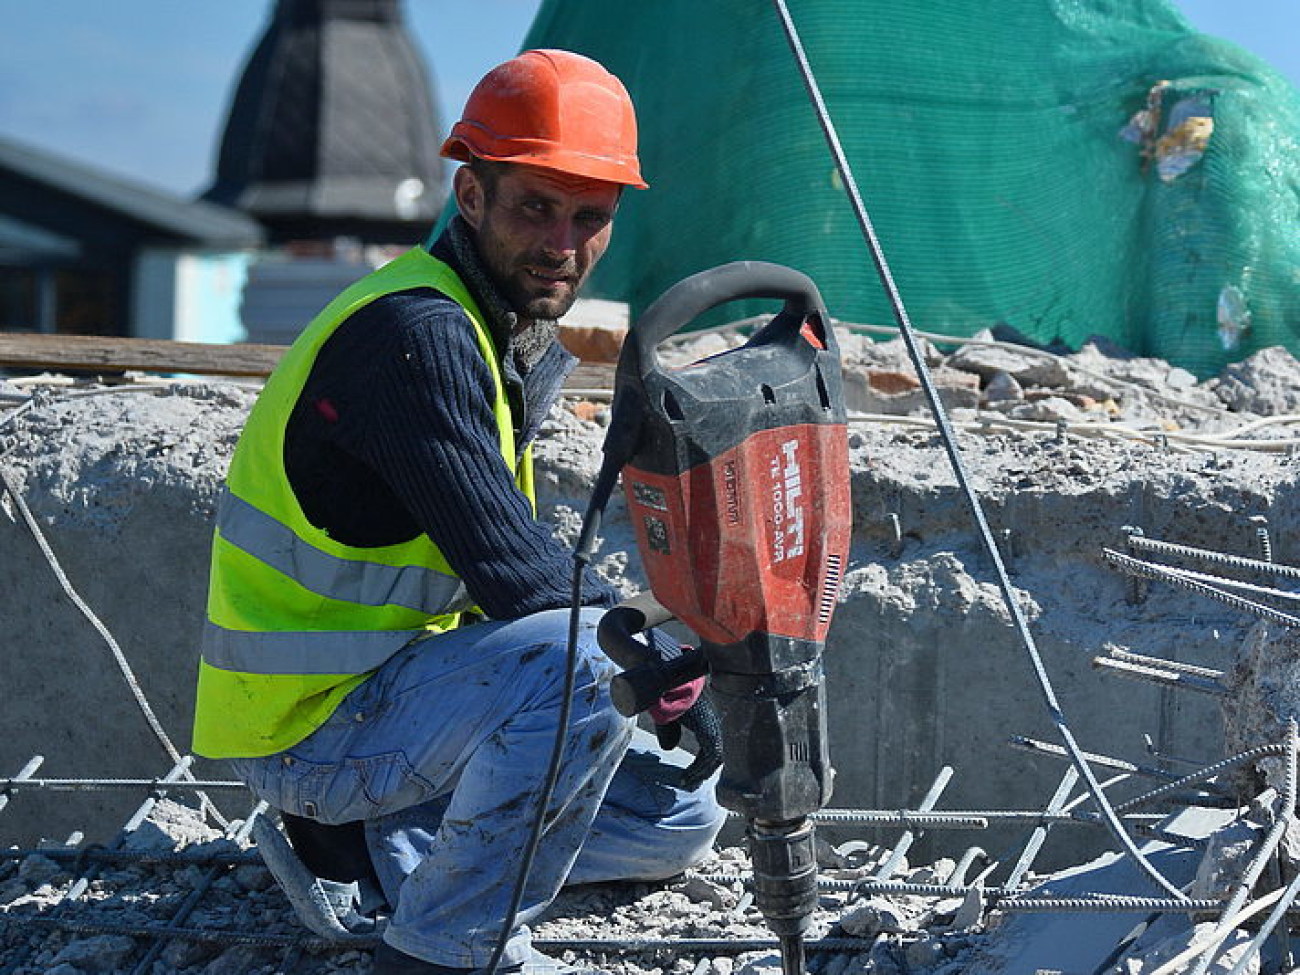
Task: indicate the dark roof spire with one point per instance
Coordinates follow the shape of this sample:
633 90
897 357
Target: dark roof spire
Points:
333 129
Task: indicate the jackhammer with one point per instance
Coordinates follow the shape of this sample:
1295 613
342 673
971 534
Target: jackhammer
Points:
735 472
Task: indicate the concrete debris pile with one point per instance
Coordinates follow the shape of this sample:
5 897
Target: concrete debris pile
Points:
105 522
998 371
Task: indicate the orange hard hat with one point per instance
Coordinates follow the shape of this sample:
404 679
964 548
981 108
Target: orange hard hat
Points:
553 109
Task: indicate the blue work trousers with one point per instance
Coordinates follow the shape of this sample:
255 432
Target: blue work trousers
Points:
443 753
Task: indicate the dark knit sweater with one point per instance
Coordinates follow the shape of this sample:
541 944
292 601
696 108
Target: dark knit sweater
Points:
394 435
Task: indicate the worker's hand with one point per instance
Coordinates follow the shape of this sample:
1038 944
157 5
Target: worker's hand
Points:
676 702
686 706
701 720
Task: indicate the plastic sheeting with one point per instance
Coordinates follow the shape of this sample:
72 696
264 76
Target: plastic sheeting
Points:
1067 167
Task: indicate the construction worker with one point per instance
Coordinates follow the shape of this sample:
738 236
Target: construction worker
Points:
380 499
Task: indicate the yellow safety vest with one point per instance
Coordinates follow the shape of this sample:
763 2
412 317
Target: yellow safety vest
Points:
296 619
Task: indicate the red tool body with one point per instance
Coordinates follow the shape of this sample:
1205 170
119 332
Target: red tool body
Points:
736 545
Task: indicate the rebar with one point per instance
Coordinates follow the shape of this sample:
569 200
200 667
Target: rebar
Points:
1138 588
984 818
108 785
1182 667
24 775
1262 538
1035 746
884 818
958 875
1014 902
693 946
895 858
1201 775
825 884
95 854
1241 585
111 784
1101 904
1174 839
218 935
1279 911
902 888
906 818
1039 834
1159 675
1142 543
1152 570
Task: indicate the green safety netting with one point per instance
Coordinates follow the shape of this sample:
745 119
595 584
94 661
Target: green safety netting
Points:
1066 167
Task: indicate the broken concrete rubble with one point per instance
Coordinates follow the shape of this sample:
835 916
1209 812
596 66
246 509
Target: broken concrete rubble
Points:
1264 694
923 670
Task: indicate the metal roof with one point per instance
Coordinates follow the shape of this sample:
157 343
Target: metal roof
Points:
21 239
196 222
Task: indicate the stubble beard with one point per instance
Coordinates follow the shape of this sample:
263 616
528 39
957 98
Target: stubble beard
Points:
518 286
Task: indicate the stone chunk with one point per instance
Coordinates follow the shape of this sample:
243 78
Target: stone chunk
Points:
1267 383
898 393
1029 367
593 343
102 953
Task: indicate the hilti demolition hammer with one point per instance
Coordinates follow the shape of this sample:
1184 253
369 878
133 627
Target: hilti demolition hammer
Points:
735 470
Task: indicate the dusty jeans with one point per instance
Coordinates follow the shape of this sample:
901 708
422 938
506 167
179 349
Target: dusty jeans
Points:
442 753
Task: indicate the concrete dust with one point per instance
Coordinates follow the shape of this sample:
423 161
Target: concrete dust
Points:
923 670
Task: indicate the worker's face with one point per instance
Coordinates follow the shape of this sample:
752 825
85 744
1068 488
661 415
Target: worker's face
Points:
539 233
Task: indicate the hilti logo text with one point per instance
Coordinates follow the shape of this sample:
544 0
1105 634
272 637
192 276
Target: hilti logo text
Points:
787 504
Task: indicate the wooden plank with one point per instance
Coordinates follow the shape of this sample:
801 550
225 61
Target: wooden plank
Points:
94 353
100 354
591 375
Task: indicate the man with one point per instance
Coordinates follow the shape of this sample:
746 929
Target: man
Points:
380 498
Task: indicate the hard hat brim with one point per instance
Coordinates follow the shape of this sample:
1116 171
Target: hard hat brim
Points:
545 155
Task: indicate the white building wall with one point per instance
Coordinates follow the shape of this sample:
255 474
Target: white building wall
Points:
190 296
153 311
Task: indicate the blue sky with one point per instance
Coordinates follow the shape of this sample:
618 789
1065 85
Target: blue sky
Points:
141 87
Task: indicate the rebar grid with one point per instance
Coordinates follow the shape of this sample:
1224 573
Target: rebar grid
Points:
1011 897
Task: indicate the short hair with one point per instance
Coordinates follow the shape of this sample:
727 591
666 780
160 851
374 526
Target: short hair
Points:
488 172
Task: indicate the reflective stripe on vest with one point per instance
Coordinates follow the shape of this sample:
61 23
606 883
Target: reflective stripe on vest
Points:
351 580
300 652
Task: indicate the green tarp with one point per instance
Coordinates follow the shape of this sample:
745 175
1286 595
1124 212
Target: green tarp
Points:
1065 167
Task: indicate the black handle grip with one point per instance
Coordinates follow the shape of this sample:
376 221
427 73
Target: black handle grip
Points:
646 677
637 690
692 296
674 309
617 630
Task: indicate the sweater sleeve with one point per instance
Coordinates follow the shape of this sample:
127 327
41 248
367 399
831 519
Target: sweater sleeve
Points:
431 436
